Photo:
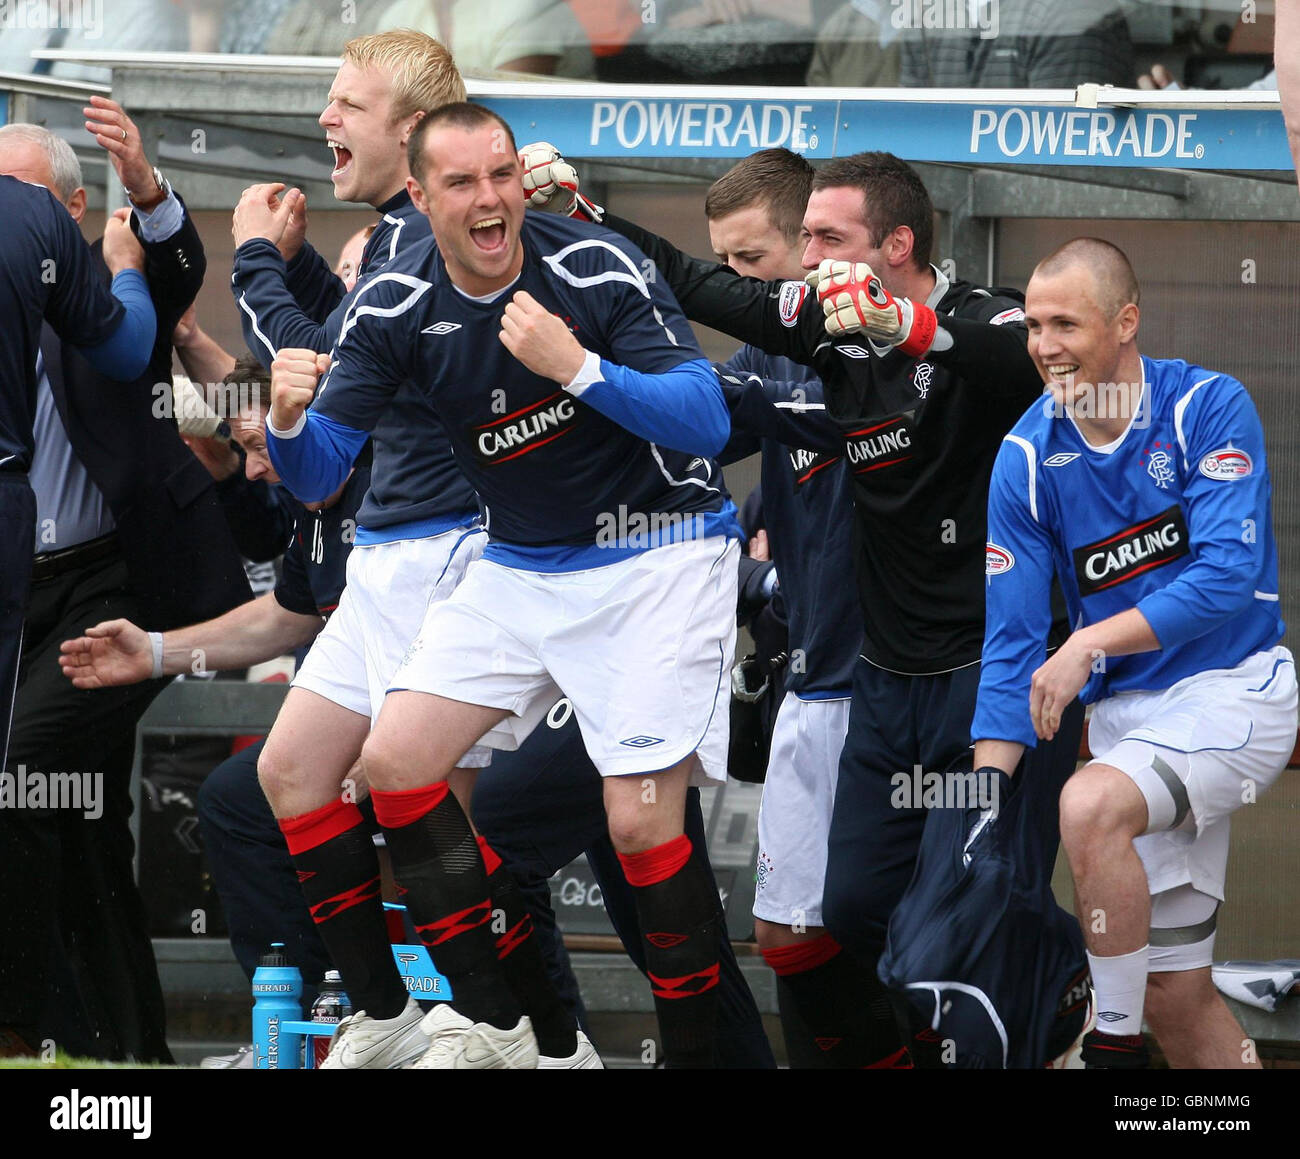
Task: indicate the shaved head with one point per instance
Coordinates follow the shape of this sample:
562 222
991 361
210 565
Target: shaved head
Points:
1115 282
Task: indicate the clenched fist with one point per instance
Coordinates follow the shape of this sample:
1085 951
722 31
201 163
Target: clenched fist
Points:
854 299
551 183
294 375
540 339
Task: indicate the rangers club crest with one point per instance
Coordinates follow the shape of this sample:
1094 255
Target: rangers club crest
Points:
922 375
1160 464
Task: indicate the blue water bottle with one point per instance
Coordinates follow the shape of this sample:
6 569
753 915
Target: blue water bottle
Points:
277 999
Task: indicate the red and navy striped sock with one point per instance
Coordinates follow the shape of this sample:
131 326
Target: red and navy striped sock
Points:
846 1009
521 958
677 908
441 878
338 870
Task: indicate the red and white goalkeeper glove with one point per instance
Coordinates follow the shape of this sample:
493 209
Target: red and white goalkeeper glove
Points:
551 183
854 301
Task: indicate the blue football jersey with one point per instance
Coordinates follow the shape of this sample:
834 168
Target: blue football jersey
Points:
1174 518
564 481
808 509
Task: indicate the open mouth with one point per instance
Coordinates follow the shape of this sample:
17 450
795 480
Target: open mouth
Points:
489 234
1063 371
342 158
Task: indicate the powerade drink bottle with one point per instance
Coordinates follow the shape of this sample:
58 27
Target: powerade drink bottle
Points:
277 998
332 1005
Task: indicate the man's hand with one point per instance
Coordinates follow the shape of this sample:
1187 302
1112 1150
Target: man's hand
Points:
294 375
853 299
117 135
1056 684
122 250
114 652
295 229
540 340
551 183
261 212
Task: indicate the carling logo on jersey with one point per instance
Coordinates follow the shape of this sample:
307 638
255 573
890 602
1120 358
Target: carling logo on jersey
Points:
525 430
879 445
1131 552
1227 463
807 464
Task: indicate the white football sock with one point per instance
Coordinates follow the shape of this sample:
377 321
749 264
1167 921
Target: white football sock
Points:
1121 985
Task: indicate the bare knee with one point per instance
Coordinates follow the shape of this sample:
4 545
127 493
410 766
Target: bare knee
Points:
290 784
382 761
1100 804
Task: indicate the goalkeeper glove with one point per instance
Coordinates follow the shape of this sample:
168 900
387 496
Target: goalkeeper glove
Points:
853 299
551 183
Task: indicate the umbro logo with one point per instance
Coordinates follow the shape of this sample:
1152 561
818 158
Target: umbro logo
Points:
1110 1016
854 351
1061 459
642 742
441 328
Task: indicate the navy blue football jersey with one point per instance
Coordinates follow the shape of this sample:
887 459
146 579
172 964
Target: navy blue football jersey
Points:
618 462
415 485
808 509
315 565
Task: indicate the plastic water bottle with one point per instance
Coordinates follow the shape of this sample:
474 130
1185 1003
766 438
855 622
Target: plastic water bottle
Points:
332 1005
277 998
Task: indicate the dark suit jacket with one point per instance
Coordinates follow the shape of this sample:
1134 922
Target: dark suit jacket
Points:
173 534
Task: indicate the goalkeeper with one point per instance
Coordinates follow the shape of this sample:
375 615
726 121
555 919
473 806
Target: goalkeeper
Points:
923 375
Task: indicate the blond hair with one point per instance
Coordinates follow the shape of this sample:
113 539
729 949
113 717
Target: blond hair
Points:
424 75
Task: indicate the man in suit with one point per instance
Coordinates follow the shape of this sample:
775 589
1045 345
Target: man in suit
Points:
127 523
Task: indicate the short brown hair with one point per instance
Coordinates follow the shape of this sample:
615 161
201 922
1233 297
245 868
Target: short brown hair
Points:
461 115
246 388
423 71
893 194
777 179
1109 264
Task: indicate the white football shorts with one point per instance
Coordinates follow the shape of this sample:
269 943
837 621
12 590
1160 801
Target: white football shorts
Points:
642 648
794 819
1198 751
390 588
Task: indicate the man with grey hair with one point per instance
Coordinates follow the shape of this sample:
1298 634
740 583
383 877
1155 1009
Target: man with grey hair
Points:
127 523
